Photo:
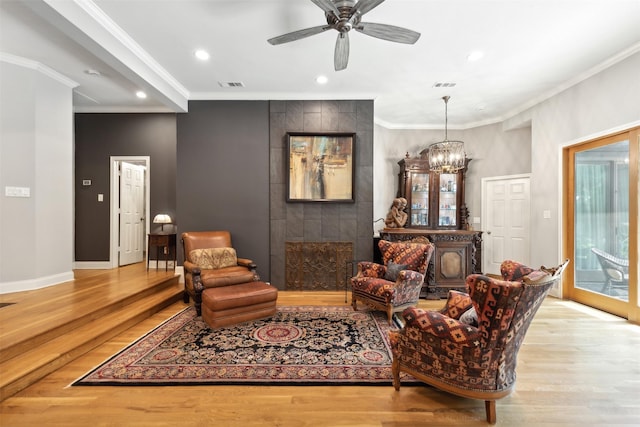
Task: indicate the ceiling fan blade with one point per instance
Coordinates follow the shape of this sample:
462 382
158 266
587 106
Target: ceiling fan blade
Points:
388 32
341 55
297 35
327 6
364 6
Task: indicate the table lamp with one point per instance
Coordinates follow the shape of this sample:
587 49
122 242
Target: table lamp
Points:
162 219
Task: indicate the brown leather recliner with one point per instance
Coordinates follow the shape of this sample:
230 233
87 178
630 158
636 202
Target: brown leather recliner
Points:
212 249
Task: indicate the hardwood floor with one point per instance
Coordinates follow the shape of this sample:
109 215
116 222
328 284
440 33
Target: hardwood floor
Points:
577 367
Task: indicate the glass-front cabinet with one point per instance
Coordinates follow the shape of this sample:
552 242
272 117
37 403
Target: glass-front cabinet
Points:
419 204
434 200
447 201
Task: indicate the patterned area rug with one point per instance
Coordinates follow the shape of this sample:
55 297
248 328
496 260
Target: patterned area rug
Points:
304 345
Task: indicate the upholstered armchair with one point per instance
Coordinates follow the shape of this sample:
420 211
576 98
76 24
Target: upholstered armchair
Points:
211 261
470 347
396 285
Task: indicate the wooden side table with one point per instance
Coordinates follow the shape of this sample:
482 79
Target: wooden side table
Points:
168 244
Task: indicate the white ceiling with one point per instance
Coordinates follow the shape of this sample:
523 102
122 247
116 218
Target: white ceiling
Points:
532 50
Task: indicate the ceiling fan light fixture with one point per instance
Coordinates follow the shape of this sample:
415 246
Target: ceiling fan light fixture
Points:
446 156
344 16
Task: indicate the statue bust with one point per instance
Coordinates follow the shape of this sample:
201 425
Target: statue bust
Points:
397 217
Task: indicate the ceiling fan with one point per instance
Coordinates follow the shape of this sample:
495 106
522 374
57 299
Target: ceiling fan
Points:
343 16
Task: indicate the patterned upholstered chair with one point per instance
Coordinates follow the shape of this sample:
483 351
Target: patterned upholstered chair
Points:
396 285
475 359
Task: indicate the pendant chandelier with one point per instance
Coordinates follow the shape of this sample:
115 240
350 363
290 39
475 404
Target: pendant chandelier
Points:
446 156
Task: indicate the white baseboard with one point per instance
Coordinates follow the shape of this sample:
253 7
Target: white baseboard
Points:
92 265
37 283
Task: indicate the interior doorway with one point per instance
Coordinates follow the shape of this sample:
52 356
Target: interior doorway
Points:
134 243
506 221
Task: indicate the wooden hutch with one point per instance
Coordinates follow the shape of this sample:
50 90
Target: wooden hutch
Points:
436 210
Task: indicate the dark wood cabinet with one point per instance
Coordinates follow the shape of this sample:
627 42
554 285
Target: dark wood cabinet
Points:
434 200
457 254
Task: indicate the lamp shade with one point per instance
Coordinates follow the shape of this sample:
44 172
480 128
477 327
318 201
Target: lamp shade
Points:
162 219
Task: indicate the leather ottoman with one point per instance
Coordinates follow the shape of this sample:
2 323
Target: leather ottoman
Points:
227 305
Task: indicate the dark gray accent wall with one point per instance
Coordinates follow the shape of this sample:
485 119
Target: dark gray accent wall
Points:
223 174
97 138
320 222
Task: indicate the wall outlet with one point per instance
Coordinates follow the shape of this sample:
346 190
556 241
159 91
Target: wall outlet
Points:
546 214
101 197
476 220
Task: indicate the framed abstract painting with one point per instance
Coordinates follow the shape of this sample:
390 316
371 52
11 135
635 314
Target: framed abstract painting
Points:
321 167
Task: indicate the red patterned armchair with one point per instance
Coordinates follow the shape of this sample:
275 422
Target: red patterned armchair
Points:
396 285
473 358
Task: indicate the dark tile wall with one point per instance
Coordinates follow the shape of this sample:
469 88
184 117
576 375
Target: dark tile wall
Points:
319 221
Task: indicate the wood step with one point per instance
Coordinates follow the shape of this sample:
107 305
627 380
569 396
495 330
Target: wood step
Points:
65 311
44 353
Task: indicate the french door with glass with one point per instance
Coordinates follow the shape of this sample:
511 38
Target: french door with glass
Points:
601 223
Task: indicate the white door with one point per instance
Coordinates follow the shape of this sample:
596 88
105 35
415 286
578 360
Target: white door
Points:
506 207
131 213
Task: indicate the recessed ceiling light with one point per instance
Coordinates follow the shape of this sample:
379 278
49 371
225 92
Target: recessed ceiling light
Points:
322 80
92 72
474 56
202 54
140 94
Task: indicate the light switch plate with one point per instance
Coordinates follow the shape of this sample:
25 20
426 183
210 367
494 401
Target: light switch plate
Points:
17 191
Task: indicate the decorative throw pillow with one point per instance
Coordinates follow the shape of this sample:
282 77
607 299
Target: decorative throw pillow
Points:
213 258
470 317
393 270
513 270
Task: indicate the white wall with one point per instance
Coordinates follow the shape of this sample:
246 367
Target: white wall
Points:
36 152
494 152
531 141
602 104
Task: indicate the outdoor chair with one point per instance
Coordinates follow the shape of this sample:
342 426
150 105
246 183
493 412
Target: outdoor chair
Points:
616 270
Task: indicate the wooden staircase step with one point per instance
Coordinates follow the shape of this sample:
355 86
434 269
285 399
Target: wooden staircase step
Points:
62 319
47 352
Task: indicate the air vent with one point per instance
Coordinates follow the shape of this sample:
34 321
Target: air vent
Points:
443 84
231 84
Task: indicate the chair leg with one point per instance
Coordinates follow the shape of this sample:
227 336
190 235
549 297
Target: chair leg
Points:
490 408
390 315
354 302
395 371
